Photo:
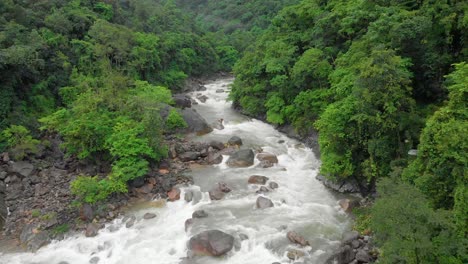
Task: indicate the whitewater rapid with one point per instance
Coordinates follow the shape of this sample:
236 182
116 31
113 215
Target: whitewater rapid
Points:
301 204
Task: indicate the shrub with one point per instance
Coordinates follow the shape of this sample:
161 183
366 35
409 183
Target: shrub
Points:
19 141
175 121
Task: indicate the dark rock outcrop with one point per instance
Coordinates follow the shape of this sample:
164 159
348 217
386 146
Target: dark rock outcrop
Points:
182 101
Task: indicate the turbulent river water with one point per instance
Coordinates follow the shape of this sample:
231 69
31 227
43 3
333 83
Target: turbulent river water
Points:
301 203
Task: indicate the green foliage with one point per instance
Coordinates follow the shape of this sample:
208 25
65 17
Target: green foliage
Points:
19 141
60 229
440 167
409 231
175 121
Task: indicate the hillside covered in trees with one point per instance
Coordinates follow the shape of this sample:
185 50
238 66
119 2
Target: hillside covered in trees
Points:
377 79
385 83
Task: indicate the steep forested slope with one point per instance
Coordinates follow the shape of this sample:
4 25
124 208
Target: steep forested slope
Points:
98 73
369 76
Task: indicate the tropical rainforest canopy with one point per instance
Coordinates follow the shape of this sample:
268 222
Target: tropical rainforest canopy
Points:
377 79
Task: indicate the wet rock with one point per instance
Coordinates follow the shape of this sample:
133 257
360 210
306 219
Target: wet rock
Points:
202 98
149 216
273 185
216 194
22 168
211 243
294 254
241 158
257 179
130 222
297 239
218 124
265 156
217 145
349 237
92 230
200 214
182 101
265 164
223 187
263 202
196 123
94 260
188 223
235 141
86 213
262 189
363 256
189 156
214 158
348 205
219 90
174 194
188 196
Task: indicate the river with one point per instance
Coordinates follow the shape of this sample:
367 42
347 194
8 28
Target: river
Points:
301 203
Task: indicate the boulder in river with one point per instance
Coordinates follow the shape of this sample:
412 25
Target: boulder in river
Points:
214 158
297 239
196 123
262 189
148 216
263 202
241 158
265 156
258 179
217 193
273 185
86 212
235 141
199 214
173 194
211 243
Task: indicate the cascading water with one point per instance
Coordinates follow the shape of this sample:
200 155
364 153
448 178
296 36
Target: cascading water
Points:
301 203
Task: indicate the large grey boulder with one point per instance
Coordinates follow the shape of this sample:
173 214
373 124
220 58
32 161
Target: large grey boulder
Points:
196 123
182 101
263 203
241 158
211 243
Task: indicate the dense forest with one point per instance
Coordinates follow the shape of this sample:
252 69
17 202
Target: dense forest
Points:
385 83
378 80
